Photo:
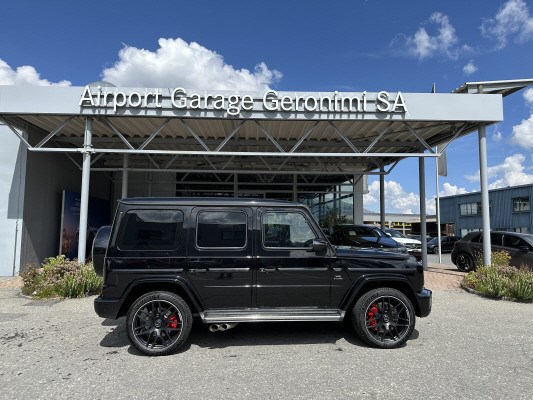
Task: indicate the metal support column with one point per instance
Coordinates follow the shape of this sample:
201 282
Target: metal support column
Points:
485 205
358 210
484 181
295 188
235 185
382 198
423 228
84 201
125 160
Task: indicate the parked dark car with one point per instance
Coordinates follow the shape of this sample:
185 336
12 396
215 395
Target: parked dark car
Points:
227 261
446 244
468 250
364 236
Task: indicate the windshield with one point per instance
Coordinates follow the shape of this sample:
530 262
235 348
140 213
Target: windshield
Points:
395 234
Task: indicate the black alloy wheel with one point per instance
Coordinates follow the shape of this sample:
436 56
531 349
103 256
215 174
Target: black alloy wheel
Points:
384 318
464 262
158 323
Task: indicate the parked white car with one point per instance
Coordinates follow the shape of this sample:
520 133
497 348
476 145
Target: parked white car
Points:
413 246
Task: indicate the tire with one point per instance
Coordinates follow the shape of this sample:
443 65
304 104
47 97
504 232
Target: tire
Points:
464 262
159 323
436 250
384 318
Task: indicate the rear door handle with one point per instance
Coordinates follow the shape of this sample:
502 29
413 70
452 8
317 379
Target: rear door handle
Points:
267 269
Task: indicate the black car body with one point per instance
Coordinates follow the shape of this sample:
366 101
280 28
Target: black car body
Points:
446 242
469 249
229 261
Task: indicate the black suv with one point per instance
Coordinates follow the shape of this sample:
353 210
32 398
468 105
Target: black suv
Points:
230 260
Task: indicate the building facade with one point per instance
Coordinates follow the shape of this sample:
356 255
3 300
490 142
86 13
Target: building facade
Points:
510 210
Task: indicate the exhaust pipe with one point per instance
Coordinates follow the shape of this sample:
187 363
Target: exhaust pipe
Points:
222 327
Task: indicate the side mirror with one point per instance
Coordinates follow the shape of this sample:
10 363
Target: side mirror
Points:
389 235
319 245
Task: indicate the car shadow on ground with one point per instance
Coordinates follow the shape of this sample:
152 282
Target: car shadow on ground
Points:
251 334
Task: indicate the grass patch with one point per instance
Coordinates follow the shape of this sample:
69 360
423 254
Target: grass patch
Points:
500 280
60 277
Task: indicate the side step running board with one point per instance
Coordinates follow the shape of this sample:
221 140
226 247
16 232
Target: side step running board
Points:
265 315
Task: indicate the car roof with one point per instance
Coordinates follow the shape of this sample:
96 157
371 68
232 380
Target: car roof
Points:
207 201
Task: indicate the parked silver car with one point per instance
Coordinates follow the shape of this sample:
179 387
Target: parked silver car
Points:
468 250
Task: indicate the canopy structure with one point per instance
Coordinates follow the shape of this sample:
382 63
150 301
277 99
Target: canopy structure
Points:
279 144
311 146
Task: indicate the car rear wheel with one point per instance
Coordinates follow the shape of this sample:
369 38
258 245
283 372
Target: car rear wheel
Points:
384 318
464 262
436 250
159 323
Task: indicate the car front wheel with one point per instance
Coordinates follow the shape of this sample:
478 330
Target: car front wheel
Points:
158 323
464 262
384 318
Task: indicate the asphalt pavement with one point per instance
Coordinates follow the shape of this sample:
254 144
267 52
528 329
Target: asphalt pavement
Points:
468 348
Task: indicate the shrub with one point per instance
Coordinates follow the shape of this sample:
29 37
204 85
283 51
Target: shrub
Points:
501 280
60 277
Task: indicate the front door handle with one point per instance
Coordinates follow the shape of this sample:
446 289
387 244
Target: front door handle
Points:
267 269
197 270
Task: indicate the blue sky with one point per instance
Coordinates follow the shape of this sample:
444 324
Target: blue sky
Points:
296 46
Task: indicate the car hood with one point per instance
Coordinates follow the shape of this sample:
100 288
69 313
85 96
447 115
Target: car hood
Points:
361 252
407 241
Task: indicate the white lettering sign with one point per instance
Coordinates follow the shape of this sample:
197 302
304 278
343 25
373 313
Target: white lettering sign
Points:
234 105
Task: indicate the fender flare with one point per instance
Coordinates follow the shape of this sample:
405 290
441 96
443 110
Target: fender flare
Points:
172 280
383 280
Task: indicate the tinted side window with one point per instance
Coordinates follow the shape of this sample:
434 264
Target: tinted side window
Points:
514 241
496 239
286 229
477 238
221 229
151 230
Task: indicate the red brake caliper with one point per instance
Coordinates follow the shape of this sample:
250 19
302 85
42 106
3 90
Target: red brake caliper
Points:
371 316
173 322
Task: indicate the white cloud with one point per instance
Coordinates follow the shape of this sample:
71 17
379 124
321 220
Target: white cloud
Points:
512 19
511 172
470 68
190 65
497 136
397 200
451 190
424 45
523 133
25 75
528 97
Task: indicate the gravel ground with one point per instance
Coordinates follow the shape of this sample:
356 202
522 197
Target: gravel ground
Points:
469 347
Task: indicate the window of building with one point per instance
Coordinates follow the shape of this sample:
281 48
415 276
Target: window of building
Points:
523 229
521 204
286 229
221 229
151 230
470 208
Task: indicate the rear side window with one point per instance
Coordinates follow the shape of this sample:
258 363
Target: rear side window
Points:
151 230
221 229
